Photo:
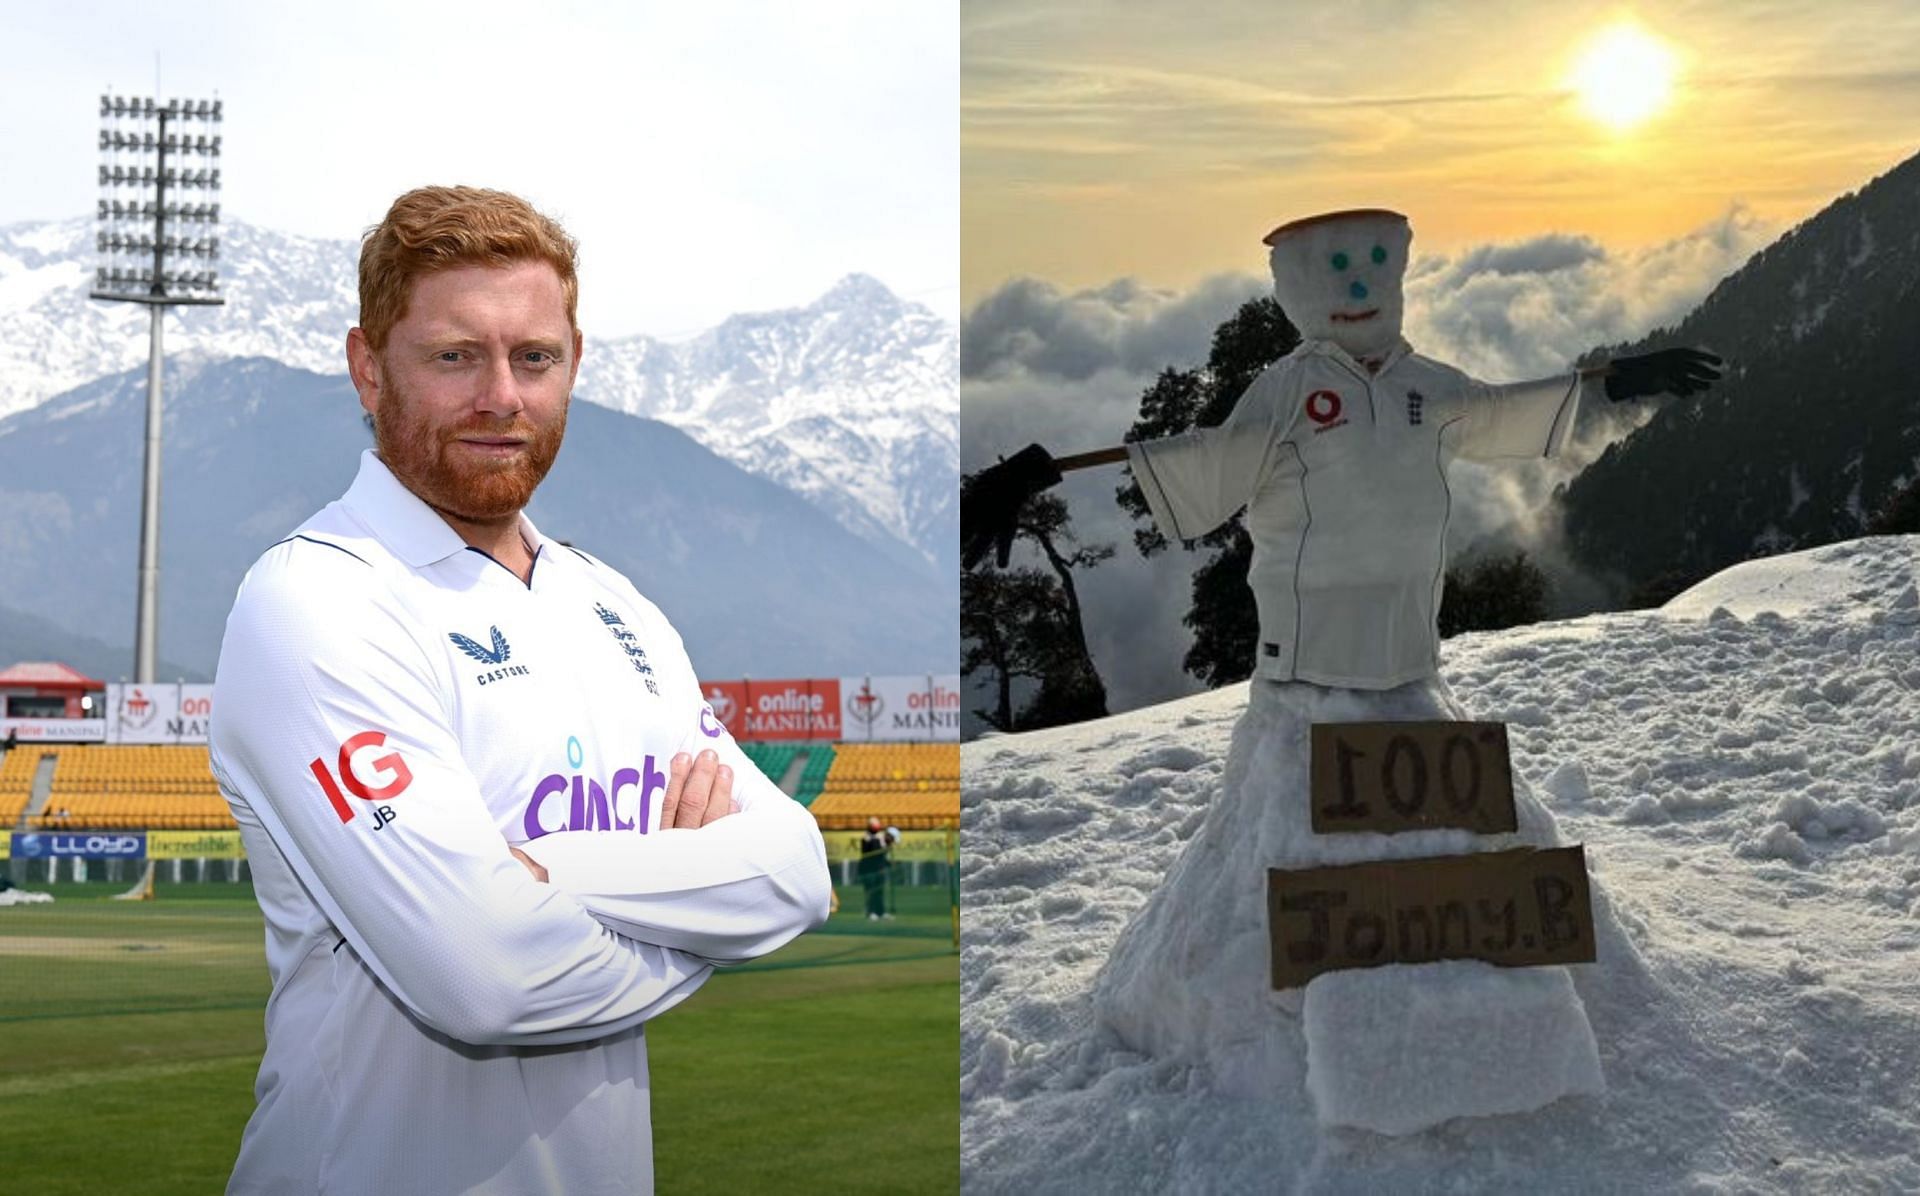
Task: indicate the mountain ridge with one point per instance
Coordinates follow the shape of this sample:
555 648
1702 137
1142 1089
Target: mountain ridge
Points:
759 581
851 401
1816 425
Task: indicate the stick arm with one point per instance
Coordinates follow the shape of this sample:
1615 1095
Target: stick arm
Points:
1106 456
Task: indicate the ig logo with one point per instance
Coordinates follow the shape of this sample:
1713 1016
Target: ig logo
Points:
390 776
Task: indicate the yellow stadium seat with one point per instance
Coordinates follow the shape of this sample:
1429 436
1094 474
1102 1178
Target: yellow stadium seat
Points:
121 787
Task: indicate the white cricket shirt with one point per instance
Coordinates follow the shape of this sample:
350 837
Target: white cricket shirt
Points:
395 709
1344 477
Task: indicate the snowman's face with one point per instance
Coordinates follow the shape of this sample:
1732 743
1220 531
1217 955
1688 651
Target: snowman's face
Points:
1340 280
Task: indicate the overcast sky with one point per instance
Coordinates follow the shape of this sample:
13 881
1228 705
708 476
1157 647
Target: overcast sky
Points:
711 158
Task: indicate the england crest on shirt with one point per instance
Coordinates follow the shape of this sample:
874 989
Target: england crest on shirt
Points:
630 644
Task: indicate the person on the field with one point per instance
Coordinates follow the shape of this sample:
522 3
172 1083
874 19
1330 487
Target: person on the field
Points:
493 823
875 859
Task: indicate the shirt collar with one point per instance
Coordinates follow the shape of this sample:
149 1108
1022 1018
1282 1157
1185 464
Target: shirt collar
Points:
1331 349
410 528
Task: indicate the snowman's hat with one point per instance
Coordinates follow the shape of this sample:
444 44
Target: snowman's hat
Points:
1328 217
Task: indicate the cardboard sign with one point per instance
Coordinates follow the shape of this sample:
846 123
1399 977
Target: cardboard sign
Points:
1393 777
1516 908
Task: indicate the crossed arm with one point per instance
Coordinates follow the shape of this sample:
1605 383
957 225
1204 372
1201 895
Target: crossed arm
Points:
433 901
699 792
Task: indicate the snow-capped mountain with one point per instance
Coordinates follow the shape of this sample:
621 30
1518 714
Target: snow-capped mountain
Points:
851 401
289 298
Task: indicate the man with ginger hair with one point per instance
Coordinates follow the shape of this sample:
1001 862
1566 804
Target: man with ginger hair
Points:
494 825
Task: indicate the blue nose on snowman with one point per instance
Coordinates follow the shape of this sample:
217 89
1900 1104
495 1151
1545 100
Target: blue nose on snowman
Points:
1357 289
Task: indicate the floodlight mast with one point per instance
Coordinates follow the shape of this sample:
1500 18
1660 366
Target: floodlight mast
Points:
156 286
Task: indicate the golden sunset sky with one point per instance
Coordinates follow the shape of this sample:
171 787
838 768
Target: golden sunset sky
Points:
1120 138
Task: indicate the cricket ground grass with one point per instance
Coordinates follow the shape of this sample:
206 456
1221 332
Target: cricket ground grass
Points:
130 1033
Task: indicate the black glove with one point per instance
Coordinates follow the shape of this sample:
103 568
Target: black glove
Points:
1664 371
990 502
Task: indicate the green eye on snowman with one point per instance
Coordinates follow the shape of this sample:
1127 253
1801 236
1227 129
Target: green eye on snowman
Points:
1341 261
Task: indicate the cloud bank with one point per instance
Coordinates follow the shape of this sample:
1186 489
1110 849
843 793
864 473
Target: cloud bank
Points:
1528 309
1030 327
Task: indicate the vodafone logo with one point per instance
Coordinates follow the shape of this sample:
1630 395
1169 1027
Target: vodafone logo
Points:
369 778
1323 407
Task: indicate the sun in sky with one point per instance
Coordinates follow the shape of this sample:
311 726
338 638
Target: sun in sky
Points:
1624 76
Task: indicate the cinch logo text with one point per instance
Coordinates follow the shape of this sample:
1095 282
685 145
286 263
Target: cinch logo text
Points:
625 804
390 777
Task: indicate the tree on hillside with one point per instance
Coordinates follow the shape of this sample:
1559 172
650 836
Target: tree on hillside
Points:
1493 593
998 610
1070 689
1222 616
1899 515
1044 521
1661 589
1027 622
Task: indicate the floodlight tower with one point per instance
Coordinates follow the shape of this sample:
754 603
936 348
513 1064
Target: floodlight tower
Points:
145 240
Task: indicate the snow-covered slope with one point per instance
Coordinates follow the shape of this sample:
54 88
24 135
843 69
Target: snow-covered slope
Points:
1744 769
288 298
1817 425
851 402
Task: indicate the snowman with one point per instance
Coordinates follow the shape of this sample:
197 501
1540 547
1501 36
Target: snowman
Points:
1339 453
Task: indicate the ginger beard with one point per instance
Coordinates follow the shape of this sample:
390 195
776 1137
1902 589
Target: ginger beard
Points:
467 486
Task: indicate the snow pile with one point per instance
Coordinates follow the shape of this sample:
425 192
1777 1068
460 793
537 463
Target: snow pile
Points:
1188 980
1400 1049
1744 769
